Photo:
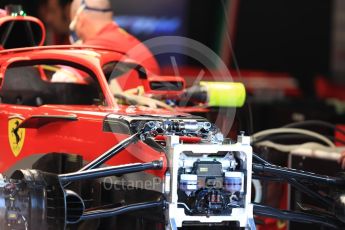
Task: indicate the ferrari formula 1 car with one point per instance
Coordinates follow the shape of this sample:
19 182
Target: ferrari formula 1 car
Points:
76 159
57 111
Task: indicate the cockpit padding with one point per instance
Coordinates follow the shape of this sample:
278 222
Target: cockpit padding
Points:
24 86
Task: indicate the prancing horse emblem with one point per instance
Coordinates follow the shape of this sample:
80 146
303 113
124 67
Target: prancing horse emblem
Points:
16 135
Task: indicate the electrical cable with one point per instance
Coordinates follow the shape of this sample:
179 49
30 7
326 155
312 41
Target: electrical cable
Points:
314 147
315 123
309 149
293 130
280 137
288 148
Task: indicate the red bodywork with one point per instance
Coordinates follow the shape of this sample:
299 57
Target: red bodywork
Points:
83 135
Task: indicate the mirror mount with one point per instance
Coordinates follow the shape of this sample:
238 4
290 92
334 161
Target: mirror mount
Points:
164 85
18 30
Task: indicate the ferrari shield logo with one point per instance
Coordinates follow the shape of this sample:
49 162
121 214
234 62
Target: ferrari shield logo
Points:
16 135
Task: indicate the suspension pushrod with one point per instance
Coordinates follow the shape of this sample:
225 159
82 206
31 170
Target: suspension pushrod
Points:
109 171
298 174
111 152
300 187
102 213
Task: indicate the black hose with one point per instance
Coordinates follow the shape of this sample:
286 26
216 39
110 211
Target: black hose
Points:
330 221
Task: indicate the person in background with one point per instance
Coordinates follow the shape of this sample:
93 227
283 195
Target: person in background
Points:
93 24
56 15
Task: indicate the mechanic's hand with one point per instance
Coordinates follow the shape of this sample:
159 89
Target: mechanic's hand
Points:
341 160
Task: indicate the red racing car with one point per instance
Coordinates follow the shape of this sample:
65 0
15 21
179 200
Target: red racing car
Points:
58 111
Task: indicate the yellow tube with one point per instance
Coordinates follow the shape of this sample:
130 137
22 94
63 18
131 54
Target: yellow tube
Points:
225 94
